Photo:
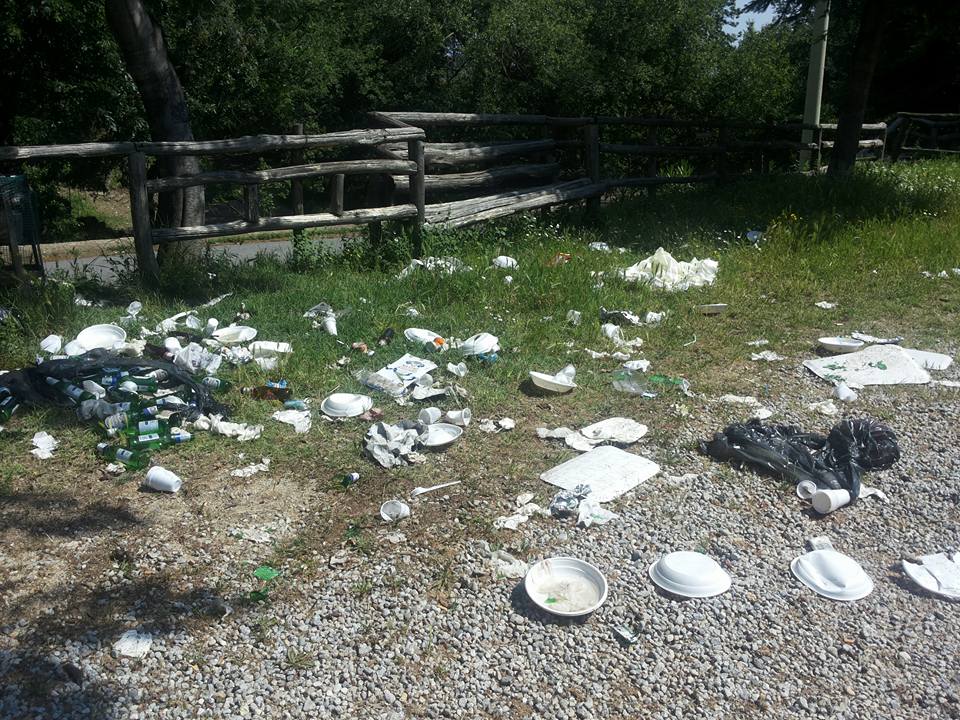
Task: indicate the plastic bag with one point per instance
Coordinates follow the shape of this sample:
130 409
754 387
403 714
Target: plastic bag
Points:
832 462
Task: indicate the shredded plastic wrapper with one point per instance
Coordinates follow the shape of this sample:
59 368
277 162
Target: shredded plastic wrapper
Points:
834 462
240 431
661 270
300 419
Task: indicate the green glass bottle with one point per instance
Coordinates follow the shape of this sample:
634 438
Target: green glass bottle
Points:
8 404
68 389
157 440
215 383
133 459
144 383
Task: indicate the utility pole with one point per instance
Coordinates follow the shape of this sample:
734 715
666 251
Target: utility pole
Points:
818 56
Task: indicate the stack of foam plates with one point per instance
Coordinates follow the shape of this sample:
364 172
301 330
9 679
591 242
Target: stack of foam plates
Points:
833 575
101 336
690 574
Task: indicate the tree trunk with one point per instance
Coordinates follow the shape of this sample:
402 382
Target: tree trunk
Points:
144 52
866 52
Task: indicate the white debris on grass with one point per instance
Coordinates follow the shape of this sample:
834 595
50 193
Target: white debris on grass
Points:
843 393
661 270
615 334
525 509
252 469
43 445
590 512
504 262
759 342
767 356
445 265
825 407
240 431
824 305
574 317
300 419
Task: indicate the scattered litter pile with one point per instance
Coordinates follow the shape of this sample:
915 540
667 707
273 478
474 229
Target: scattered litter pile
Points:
832 462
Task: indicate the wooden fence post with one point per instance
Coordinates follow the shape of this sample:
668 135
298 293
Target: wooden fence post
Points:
14 218
817 157
336 194
140 212
418 192
296 186
591 142
251 203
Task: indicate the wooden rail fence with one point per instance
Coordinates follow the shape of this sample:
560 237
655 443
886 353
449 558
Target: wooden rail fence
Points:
438 170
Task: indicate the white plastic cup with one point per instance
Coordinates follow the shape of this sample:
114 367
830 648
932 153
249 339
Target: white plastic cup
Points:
425 380
172 345
460 417
806 489
163 480
330 324
212 325
826 501
430 415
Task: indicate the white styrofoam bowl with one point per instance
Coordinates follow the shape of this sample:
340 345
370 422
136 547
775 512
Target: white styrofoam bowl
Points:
566 586
841 344
690 574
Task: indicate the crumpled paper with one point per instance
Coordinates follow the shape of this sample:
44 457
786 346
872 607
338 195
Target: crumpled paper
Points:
392 445
490 426
767 355
661 270
615 334
215 424
300 419
566 501
43 445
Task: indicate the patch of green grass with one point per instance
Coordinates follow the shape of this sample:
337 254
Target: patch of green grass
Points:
861 243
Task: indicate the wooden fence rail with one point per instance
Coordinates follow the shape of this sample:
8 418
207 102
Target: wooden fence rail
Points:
468 181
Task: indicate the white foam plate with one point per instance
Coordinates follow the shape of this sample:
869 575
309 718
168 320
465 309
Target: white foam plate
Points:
841 344
833 575
441 435
101 336
690 574
346 404
550 382
925 579
234 334
566 586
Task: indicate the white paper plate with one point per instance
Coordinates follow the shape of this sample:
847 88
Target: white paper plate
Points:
346 404
441 435
480 344
101 336
690 574
566 586
832 574
841 344
550 382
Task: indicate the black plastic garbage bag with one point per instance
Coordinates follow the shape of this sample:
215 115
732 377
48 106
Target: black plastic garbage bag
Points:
835 461
29 386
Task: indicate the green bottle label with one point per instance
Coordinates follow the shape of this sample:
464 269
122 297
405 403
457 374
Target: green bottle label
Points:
148 438
124 455
148 426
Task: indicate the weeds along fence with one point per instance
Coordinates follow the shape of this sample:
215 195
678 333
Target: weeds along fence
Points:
436 170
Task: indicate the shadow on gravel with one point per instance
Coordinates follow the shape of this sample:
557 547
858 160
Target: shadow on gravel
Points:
61 515
43 661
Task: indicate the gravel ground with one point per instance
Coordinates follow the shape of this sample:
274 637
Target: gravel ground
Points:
385 636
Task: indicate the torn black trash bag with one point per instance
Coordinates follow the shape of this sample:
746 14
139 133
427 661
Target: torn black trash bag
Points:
833 462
